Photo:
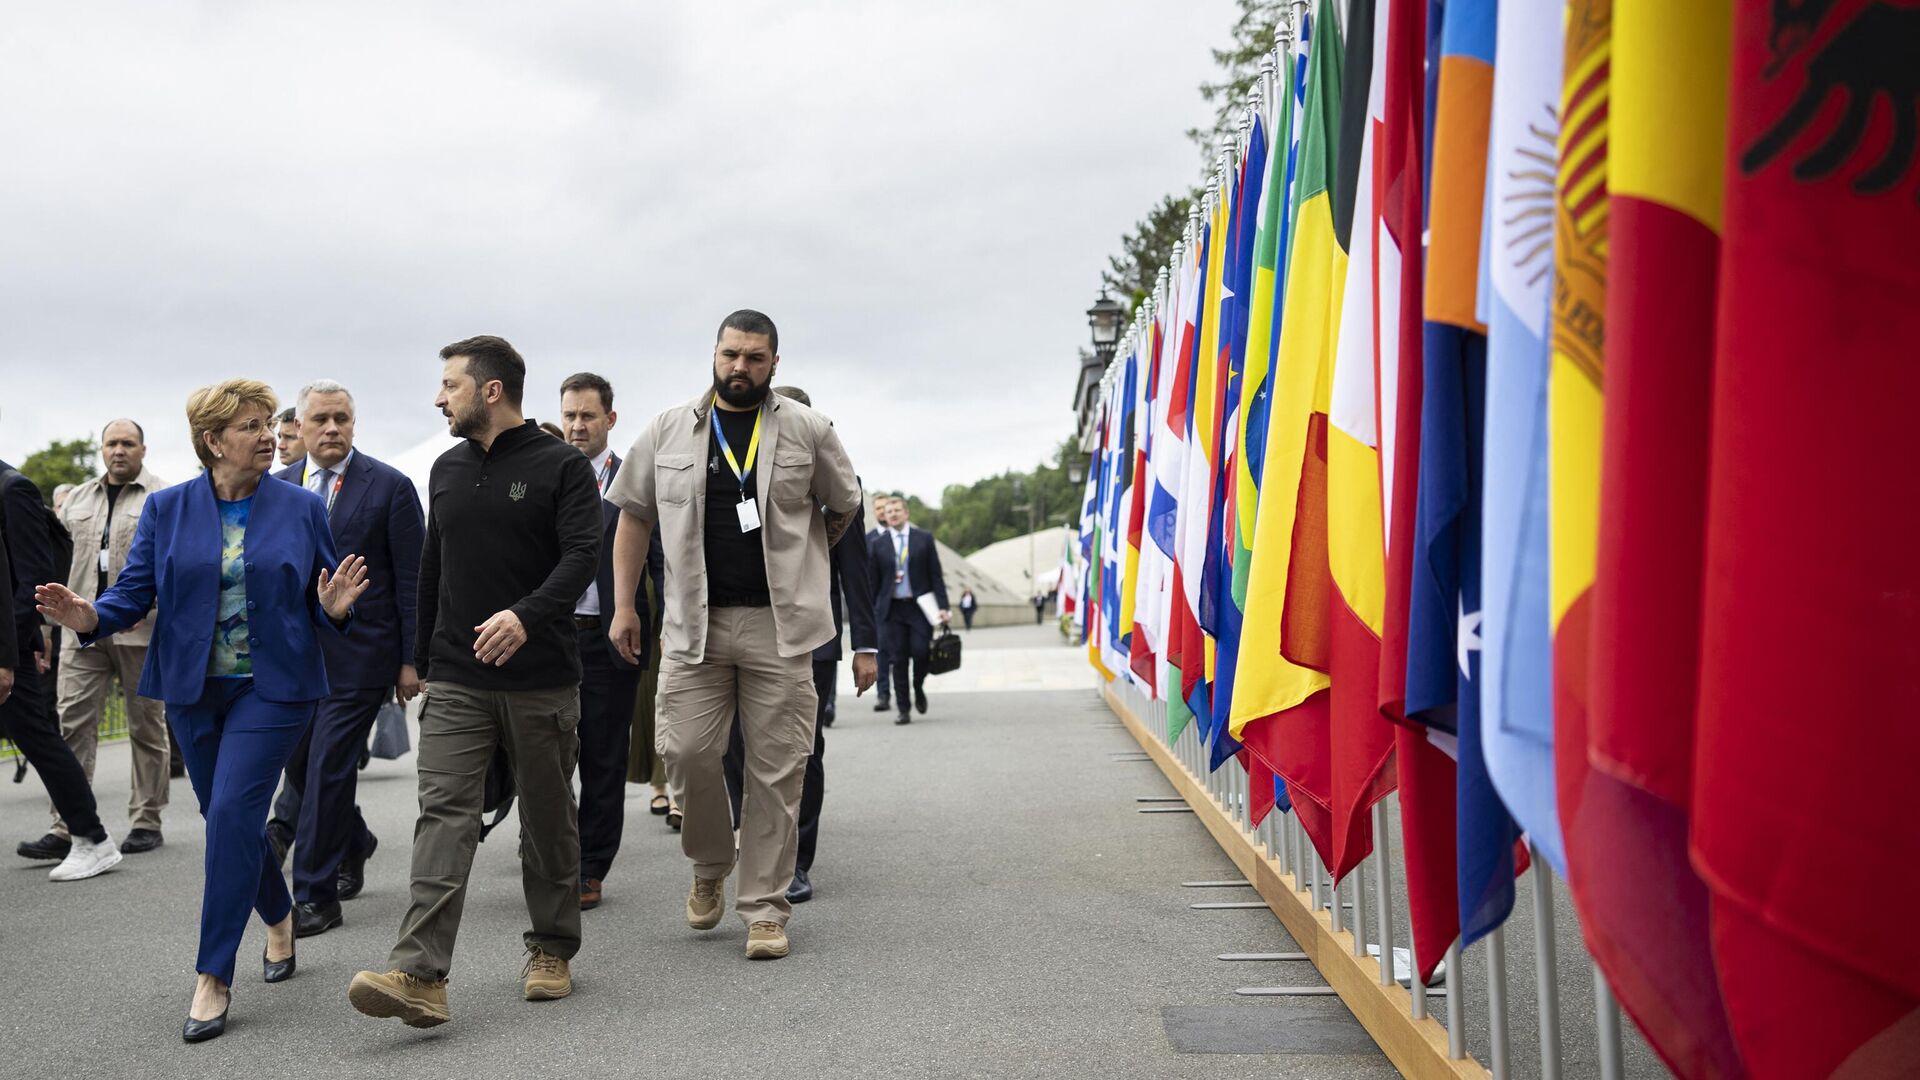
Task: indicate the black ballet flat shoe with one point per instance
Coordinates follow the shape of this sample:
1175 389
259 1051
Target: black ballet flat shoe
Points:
202 1030
274 971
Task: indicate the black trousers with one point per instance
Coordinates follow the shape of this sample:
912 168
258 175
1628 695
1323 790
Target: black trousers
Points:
907 638
813 784
292 796
607 690
29 719
326 768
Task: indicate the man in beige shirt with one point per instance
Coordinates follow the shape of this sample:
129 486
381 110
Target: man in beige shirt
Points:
102 515
736 480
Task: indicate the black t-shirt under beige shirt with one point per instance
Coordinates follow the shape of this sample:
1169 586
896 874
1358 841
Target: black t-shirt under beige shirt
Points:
736 562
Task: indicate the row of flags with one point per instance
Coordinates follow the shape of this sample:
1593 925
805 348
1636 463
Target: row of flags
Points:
1521 425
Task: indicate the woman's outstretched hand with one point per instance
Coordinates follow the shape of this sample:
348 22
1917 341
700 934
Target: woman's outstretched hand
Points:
341 588
66 607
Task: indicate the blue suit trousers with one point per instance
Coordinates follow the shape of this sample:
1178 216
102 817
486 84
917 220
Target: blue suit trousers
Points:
235 745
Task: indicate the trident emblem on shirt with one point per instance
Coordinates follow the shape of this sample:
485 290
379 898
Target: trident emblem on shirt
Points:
517 491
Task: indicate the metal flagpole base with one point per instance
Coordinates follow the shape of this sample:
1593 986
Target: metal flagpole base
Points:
1263 956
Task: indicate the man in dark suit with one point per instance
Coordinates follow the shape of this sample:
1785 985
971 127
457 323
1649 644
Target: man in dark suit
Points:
905 565
608 683
373 511
848 575
883 700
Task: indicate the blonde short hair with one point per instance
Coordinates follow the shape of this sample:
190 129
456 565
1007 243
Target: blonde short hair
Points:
212 408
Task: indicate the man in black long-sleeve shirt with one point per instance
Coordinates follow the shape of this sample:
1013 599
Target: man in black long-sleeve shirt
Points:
513 539
27 714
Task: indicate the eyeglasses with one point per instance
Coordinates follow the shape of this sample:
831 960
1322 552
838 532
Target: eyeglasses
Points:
248 427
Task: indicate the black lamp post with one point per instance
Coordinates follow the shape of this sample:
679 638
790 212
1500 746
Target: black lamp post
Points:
1106 317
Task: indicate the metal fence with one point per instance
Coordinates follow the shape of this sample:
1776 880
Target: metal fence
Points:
1524 1002
113 722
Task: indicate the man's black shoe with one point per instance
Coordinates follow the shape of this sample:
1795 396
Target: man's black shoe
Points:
140 840
801 890
904 718
366 757
281 838
310 919
882 705
920 700
176 765
353 870
49 848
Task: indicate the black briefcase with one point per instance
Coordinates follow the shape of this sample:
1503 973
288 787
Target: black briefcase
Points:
944 654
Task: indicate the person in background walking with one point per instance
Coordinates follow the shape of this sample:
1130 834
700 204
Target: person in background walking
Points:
27 715
1039 608
101 515
287 441
746 546
608 683
967 607
905 566
372 509
513 537
883 699
240 571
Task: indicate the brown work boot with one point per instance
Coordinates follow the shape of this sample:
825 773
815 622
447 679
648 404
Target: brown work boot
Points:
766 941
703 903
590 893
417 1002
546 975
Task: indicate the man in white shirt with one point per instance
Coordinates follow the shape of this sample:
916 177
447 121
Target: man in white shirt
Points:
608 684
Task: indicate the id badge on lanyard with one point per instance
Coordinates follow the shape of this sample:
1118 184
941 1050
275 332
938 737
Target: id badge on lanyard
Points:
748 511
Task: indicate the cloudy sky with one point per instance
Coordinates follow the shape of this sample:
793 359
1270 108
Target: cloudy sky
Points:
921 194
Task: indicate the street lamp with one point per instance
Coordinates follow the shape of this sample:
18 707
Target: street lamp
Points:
1106 317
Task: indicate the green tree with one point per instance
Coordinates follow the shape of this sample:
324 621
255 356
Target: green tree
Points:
1011 504
1146 249
1252 39
73 461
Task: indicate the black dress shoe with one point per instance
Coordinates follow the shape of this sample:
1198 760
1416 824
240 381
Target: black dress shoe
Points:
904 718
274 971
882 705
281 838
49 848
202 1030
920 700
801 889
353 870
310 919
140 840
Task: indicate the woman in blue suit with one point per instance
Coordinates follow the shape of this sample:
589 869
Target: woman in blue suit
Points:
240 573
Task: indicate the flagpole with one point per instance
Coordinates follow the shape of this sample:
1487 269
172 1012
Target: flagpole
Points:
1547 967
1608 1010
1497 1001
1456 1009
1383 889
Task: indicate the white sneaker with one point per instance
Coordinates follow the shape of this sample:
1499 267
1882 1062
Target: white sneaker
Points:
86 860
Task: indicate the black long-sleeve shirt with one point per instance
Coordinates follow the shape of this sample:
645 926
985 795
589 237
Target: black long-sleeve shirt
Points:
30 552
514 528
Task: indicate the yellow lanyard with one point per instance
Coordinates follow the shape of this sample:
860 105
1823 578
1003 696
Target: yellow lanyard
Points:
753 450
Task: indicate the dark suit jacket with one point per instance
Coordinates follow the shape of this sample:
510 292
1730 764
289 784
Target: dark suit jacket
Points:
923 570
603 578
377 517
26 560
850 574
174 567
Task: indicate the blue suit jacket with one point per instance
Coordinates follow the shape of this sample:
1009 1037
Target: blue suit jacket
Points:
377 517
174 564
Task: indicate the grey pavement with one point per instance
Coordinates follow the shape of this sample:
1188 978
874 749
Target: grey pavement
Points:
990 904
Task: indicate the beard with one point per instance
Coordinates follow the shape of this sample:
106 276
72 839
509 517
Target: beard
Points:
737 396
470 422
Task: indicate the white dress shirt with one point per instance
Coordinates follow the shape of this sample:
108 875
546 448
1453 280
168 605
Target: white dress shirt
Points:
590 600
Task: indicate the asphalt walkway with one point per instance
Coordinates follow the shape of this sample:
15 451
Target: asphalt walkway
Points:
990 904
